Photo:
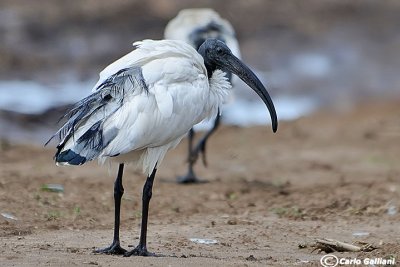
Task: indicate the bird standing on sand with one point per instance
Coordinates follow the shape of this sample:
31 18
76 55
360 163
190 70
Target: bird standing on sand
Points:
143 105
194 26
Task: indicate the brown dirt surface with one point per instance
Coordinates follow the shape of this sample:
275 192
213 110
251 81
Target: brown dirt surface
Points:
330 175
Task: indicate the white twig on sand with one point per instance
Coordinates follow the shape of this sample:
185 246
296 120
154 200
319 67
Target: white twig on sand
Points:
332 245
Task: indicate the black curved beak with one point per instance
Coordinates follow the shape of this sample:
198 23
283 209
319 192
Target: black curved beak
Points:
231 63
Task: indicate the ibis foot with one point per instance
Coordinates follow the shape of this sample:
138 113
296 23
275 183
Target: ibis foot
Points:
190 178
140 251
114 249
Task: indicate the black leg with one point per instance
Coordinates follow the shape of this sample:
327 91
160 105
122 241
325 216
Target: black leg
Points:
201 146
191 177
141 249
115 247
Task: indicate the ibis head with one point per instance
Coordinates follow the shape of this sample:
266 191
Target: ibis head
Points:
217 55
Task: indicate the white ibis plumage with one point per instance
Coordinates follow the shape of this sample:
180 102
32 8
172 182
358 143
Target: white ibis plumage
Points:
143 105
194 26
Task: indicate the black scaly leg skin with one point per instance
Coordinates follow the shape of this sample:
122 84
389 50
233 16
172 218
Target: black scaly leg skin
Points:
201 146
141 249
191 177
115 248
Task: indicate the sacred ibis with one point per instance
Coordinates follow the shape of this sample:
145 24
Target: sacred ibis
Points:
143 105
194 26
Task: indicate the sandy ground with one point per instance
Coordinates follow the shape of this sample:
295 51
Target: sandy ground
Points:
332 175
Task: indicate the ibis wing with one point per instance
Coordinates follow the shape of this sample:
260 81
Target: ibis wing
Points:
123 112
82 137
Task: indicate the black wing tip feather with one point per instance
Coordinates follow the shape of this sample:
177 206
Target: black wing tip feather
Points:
70 157
48 141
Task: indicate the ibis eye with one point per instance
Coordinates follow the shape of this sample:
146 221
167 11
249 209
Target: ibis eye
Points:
107 97
219 50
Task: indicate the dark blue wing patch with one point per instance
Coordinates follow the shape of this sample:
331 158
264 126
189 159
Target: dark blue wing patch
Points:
70 157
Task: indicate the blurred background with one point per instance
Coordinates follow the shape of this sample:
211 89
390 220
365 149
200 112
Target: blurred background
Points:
312 55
